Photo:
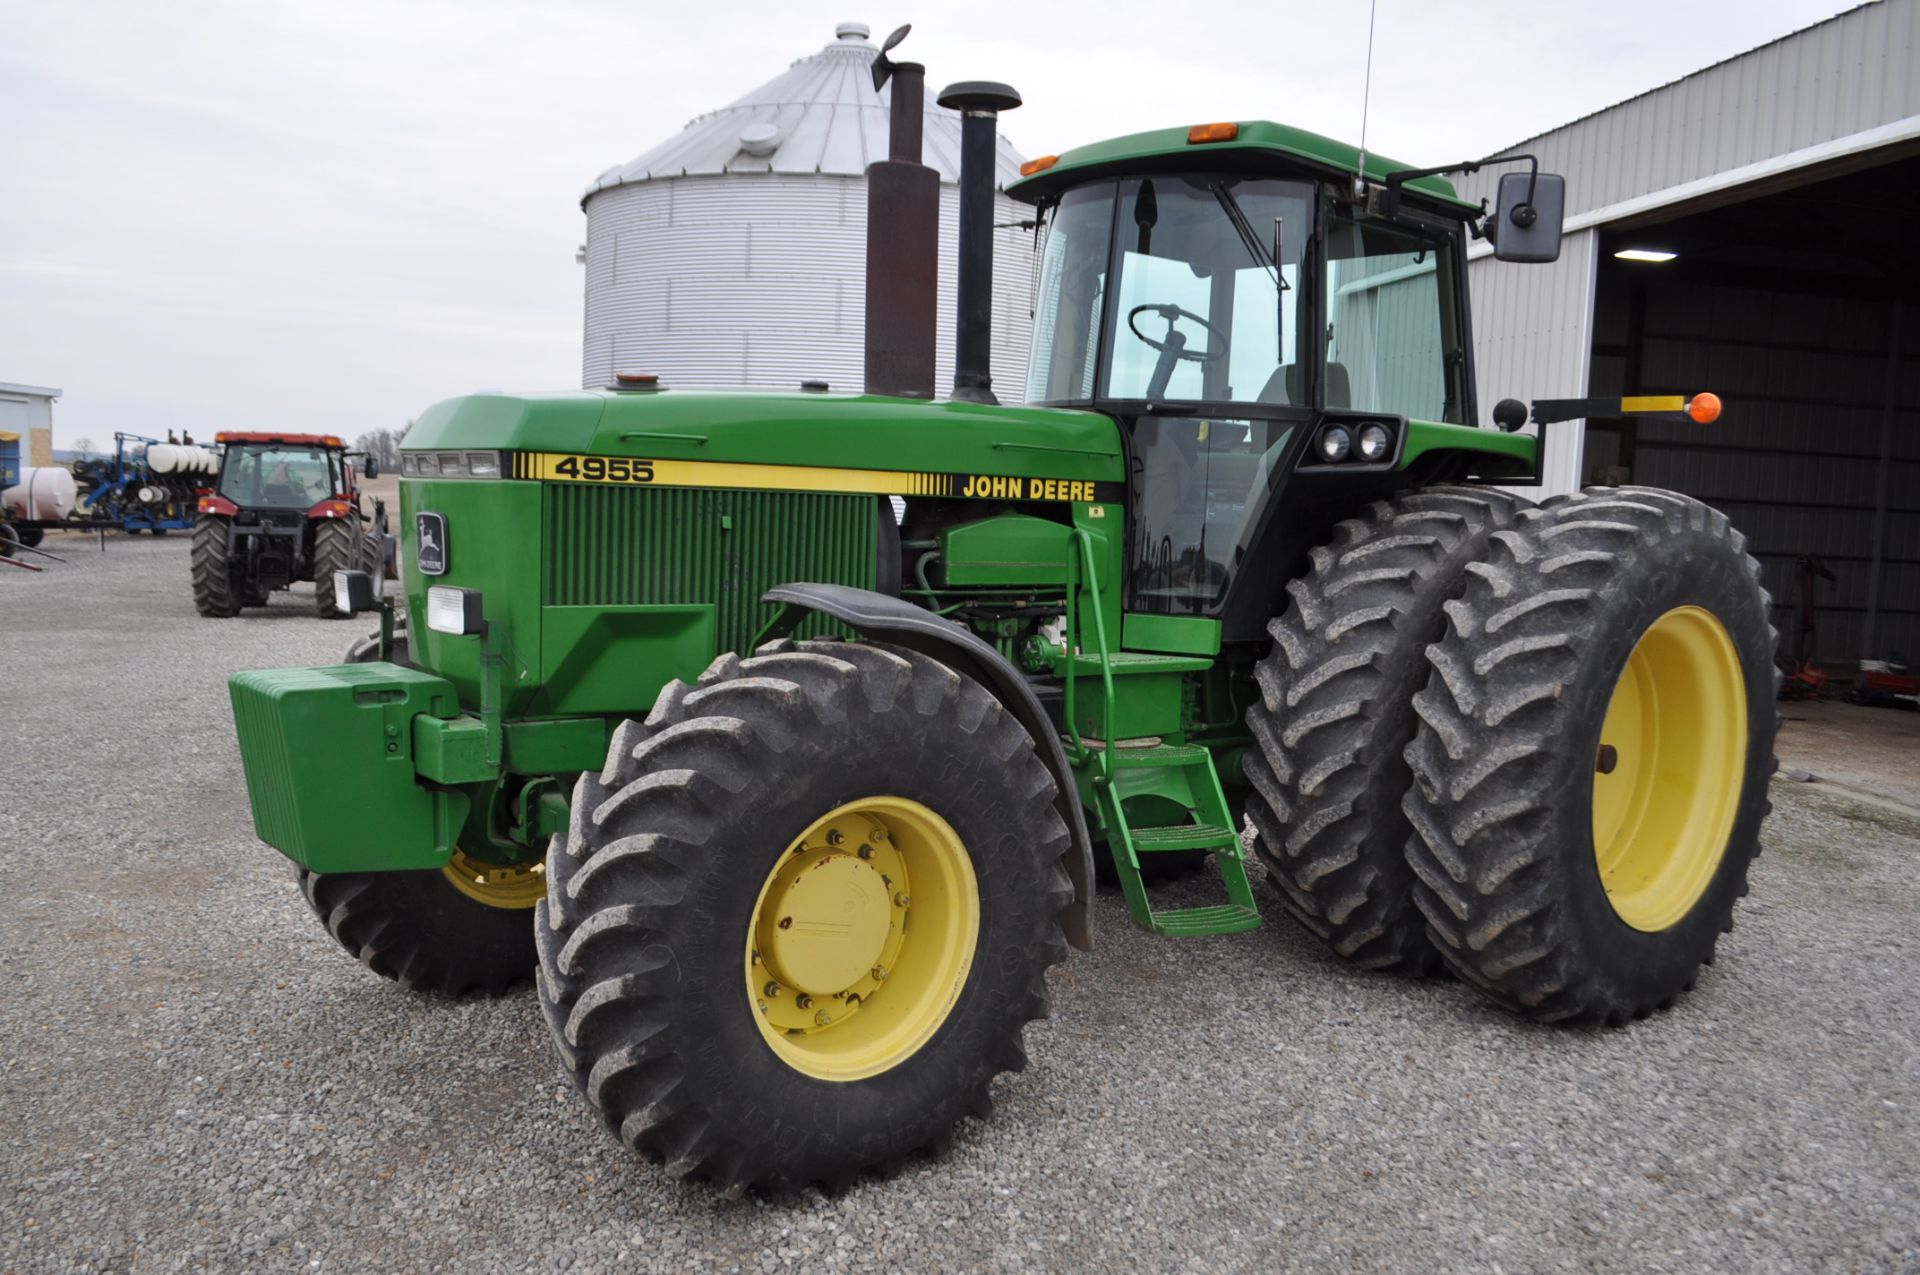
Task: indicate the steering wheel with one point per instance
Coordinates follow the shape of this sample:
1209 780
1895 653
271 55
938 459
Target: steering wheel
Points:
1176 344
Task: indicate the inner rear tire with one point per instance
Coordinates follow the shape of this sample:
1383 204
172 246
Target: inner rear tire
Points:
1622 631
1335 715
652 896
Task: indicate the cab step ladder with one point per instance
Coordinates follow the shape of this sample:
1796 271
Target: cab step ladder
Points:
1182 772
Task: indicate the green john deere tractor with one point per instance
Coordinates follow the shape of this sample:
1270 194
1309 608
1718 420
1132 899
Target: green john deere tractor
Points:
778 732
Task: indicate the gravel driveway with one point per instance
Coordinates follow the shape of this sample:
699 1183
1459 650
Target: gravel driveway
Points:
196 1077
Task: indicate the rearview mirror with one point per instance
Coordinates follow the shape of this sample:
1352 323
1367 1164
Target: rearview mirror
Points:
371 468
1525 225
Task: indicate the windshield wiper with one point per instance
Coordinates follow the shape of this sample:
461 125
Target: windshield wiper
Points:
1268 260
1262 256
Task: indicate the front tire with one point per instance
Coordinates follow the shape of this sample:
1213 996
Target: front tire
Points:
1335 715
669 974
465 927
1590 774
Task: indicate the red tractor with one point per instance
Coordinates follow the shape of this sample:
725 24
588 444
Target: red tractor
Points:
286 507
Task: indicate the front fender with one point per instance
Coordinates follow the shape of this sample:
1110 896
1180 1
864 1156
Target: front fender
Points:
875 615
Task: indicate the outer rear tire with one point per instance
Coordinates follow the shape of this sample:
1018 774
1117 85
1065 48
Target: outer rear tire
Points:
1335 715
1511 738
643 933
30 536
212 561
336 547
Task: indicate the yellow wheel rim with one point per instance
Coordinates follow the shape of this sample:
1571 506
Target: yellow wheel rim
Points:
498 885
1672 761
862 938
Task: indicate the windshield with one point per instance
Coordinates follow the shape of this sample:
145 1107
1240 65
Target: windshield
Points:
277 476
1207 305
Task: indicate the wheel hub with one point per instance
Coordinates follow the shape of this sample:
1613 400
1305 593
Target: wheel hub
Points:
1669 770
825 922
842 985
498 885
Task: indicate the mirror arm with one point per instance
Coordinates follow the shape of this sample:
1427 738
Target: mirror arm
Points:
1390 205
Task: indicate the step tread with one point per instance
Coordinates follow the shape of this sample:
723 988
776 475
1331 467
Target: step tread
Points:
1125 663
1222 918
1192 836
1160 755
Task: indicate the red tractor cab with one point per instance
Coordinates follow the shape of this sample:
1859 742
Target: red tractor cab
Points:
285 507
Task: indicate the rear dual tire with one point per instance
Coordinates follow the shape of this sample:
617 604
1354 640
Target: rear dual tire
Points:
215 592
1591 768
1335 714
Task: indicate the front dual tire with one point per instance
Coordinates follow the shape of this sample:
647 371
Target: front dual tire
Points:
802 917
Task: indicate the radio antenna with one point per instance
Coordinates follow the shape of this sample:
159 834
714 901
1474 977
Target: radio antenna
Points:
1366 100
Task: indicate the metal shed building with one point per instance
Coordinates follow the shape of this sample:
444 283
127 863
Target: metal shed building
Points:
733 255
1779 186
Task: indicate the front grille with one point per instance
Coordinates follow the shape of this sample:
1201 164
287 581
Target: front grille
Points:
628 546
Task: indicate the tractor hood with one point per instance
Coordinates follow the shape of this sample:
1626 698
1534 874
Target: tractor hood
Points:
841 430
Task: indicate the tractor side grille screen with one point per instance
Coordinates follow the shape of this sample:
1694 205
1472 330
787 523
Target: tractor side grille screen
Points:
628 546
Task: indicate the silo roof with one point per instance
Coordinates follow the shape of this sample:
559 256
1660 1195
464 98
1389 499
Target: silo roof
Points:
821 116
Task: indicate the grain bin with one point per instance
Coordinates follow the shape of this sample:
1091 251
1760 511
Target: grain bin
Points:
732 255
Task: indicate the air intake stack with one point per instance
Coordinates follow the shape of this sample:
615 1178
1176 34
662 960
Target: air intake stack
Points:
979 103
903 240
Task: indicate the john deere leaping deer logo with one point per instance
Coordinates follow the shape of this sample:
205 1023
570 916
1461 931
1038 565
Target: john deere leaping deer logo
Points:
430 543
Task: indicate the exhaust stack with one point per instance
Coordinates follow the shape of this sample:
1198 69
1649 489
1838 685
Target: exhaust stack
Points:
979 103
903 240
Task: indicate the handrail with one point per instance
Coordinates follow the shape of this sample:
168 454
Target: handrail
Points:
1086 563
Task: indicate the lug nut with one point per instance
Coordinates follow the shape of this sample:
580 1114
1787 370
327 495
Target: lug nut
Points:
902 899
805 1001
866 851
756 956
763 1007
879 973
823 1018
771 989
834 837
879 834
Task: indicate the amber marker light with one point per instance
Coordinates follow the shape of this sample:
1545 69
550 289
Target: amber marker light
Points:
1213 132
1704 408
1040 165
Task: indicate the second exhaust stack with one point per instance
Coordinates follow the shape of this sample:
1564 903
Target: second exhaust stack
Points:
979 103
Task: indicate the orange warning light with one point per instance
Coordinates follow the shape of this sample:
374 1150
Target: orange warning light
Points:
1040 165
1704 408
1213 132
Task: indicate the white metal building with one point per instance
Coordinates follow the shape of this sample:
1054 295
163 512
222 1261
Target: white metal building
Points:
1783 183
27 410
733 254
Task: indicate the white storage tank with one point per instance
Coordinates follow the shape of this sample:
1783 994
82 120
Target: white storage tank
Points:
733 254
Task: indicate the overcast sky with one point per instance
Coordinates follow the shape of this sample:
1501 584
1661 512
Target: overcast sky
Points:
327 214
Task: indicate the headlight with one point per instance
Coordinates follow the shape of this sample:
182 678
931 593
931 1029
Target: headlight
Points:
451 610
1334 443
451 465
1375 442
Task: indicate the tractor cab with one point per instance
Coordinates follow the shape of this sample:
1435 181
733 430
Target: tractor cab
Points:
285 509
282 474
1245 319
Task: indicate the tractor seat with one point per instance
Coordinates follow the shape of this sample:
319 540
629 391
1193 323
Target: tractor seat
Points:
1284 386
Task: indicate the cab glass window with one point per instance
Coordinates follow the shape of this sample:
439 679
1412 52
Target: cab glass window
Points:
1395 342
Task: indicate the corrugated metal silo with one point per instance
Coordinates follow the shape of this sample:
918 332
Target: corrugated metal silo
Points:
733 254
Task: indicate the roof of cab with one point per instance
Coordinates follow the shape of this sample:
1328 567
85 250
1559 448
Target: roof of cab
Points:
1252 147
